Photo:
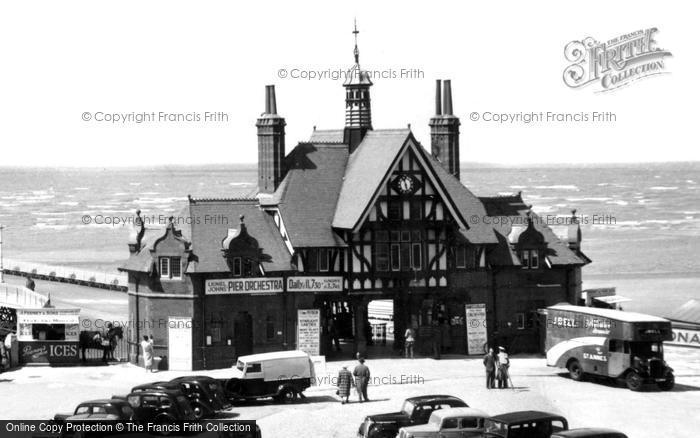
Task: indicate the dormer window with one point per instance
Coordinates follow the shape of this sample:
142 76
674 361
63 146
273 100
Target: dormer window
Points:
170 268
530 258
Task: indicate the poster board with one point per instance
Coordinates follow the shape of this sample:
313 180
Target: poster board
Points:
477 335
309 331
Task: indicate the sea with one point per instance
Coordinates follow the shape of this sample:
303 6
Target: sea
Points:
640 222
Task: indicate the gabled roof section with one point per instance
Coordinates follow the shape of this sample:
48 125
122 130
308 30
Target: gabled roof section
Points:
469 206
211 221
373 160
366 169
308 195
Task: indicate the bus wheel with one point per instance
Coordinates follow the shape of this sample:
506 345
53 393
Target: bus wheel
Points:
667 384
575 370
634 381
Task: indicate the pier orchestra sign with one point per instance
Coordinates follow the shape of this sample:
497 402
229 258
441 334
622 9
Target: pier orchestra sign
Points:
244 286
264 285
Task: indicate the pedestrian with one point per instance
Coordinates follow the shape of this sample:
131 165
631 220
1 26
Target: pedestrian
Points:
147 346
503 363
333 331
445 336
436 339
345 382
361 373
4 362
409 342
490 367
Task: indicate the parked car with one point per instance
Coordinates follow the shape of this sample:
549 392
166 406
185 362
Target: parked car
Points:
198 396
209 386
524 424
98 410
161 407
448 423
415 411
282 375
589 433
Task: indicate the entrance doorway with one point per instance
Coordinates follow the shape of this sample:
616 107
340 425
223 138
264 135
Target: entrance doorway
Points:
243 334
380 315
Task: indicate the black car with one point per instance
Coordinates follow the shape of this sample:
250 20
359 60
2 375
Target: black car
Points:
161 408
198 396
98 410
587 432
415 410
206 387
521 424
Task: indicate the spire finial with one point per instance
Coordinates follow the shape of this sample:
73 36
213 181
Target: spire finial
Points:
356 51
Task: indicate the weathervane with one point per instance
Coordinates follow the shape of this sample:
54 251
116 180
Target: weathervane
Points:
356 51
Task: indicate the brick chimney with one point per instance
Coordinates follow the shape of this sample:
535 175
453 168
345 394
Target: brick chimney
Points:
444 129
270 145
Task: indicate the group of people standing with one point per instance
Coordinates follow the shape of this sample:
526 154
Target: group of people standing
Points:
496 366
359 378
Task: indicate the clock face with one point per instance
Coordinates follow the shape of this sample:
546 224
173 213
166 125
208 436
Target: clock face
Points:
405 184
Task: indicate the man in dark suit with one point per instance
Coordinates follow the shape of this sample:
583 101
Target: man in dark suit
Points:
361 373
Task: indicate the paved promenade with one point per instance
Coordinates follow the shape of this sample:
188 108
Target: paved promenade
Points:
39 392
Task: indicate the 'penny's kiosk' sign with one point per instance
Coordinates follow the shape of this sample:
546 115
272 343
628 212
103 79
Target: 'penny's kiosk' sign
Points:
48 335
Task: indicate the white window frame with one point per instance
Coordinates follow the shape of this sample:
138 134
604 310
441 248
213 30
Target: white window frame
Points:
520 321
164 268
463 251
395 260
419 265
172 260
534 259
324 254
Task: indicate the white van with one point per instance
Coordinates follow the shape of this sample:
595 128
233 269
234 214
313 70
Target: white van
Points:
282 375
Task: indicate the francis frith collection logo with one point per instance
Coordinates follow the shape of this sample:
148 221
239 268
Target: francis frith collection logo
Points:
614 63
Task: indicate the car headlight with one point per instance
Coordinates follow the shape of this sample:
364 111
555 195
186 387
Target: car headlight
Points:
368 426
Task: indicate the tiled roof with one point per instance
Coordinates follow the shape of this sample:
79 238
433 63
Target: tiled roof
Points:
211 222
366 168
688 312
469 206
327 136
308 194
512 210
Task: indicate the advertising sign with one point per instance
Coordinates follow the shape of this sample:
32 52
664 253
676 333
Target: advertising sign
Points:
685 337
315 284
49 352
48 316
243 286
476 328
309 331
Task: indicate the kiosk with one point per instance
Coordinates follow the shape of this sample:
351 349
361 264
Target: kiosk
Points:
48 335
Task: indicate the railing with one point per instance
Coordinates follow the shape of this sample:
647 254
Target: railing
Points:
66 274
19 296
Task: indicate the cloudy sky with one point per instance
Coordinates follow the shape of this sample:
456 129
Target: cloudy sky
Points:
63 60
